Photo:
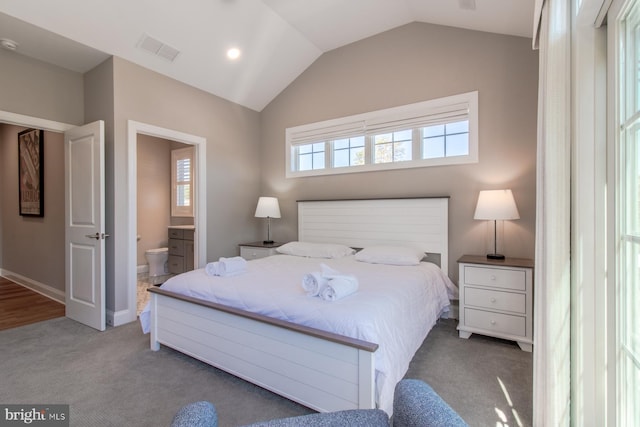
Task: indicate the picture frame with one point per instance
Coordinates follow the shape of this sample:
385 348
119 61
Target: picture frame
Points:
31 172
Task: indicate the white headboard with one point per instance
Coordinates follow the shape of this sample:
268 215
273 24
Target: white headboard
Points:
422 222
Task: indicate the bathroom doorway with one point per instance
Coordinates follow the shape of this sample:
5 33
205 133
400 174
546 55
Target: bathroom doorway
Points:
142 139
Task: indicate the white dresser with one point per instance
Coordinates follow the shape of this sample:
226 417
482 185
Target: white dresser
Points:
496 298
257 250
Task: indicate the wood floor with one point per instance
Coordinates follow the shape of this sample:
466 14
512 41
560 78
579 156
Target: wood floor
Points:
20 306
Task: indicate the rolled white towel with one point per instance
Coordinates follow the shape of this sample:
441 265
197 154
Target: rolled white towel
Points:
339 287
212 268
231 266
313 283
329 272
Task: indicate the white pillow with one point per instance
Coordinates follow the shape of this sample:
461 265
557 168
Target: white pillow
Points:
393 255
315 250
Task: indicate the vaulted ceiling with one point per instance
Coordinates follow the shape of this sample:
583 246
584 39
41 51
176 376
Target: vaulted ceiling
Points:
188 40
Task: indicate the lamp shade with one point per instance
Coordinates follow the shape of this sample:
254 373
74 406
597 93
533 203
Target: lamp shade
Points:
268 207
496 205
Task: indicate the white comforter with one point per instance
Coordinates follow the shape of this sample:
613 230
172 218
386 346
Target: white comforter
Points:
394 307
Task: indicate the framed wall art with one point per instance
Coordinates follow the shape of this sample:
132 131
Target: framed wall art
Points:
31 172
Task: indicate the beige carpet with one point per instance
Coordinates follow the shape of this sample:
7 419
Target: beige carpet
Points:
112 378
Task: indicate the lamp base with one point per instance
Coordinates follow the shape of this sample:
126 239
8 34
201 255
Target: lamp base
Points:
495 256
271 242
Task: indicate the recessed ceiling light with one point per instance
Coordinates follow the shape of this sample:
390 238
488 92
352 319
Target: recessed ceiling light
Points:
233 53
8 44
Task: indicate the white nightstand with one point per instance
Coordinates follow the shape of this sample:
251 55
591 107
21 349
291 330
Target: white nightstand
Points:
257 250
496 298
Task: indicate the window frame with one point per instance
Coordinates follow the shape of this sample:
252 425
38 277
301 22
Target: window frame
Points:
176 156
625 241
412 116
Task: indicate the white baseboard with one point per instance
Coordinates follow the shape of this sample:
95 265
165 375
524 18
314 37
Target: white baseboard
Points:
119 318
144 268
45 290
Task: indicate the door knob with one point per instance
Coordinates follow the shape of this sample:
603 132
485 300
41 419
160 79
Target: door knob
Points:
97 236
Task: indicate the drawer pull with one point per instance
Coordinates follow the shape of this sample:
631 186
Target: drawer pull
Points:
493 322
493 277
493 300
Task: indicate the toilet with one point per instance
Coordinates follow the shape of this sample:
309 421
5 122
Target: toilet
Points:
157 260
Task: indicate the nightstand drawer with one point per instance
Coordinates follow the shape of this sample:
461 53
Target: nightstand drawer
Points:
176 247
249 252
495 322
496 300
495 277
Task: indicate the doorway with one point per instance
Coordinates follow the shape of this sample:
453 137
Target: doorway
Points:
199 220
49 281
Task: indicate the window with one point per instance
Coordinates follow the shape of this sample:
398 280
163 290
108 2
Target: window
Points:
628 221
393 146
442 131
310 156
348 152
447 140
182 190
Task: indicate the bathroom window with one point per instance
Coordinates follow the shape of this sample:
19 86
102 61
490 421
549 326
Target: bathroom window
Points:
182 190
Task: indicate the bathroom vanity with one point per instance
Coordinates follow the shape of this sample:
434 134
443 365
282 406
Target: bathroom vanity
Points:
181 248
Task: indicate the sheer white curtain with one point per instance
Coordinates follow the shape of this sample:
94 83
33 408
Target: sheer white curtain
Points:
552 323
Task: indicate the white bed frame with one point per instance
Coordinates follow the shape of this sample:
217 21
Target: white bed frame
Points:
321 370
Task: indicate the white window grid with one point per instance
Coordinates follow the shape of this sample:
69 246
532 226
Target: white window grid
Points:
408 128
182 182
628 301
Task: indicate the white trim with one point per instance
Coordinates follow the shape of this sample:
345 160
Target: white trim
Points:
177 156
118 318
552 302
618 118
588 220
28 121
45 290
200 203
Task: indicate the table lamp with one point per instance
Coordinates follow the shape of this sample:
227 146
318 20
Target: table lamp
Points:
496 205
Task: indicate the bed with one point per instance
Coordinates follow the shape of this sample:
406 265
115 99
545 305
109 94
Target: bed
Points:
262 327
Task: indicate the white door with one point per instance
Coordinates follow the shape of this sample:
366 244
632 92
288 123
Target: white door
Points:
84 225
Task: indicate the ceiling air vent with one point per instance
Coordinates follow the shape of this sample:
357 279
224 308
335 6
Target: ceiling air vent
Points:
158 48
467 4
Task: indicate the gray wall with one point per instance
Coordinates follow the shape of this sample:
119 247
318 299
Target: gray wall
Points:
233 165
35 88
117 91
409 64
32 247
99 104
